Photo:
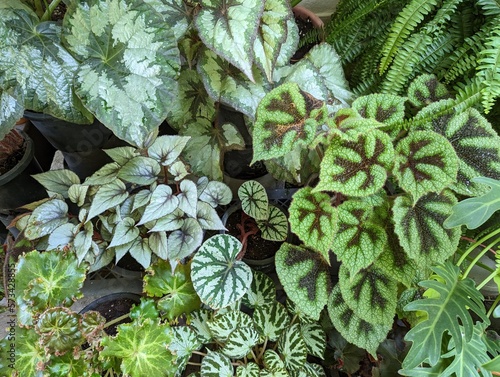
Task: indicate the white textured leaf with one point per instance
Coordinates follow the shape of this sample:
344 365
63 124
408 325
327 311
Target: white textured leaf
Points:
166 149
240 342
215 364
248 370
292 348
262 291
315 339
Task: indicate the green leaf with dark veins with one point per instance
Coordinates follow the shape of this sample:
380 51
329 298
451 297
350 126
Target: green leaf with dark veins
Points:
262 291
125 231
185 240
158 243
426 89
419 227
167 148
215 364
141 252
208 217
357 165
315 338
107 196
272 361
216 194
161 203
170 222
292 348
275 227
286 117
425 162
121 155
184 342
58 181
305 278
271 320
107 174
254 200
140 170
384 108
218 277
248 370
46 218
59 330
314 219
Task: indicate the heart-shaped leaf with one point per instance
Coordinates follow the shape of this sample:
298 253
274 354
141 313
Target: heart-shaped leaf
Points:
184 241
262 291
46 218
248 370
275 227
223 324
58 181
107 196
188 197
140 170
315 338
384 108
166 149
184 342
215 364
161 203
125 231
240 342
216 194
254 200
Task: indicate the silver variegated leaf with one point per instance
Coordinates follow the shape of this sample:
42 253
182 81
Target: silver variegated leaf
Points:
271 320
275 227
248 370
184 241
314 370
199 320
77 194
188 197
292 348
161 203
61 236
273 361
254 200
184 342
215 364
159 244
262 291
208 217
140 250
46 218
58 181
107 196
315 338
166 149
125 231
107 174
83 242
170 222
12 110
141 199
216 194
240 342
274 373
218 277
140 170
121 155
222 325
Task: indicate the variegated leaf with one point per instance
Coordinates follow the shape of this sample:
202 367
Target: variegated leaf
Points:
107 196
140 250
185 240
208 217
215 364
292 348
140 170
107 174
45 218
82 242
240 342
273 361
419 227
314 370
362 333
305 278
248 370
188 197
170 222
275 227
167 148
121 155
12 110
199 320
218 277
216 194
425 162
77 194
315 338
262 291
357 165
62 236
179 170
59 330
158 243
184 342
125 231
271 320
286 117
370 293
314 220
58 181
359 240
223 324
274 373
228 28
254 200
384 108
136 69
426 89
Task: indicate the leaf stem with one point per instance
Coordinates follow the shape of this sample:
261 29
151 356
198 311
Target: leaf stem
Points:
199 353
116 320
485 281
50 9
492 309
479 256
476 244
264 346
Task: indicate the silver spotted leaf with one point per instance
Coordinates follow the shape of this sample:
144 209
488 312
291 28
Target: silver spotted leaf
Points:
218 277
12 110
240 342
254 200
292 348
262 291
305 278
216 364
271 320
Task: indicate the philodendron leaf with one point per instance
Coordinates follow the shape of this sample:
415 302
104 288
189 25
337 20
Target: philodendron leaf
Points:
140 170
292 348
161 203
218 277
254 200
454 295
215 364
305 278
286 117
474 212
141 347
229 29
419 227
175 288
136 69
59 330
384 108
370 293
314 219
240 342
359 240
166 149
262 291
275 227
425 162
184 241
58 181
107 196
46 218
271 320
355 330
357 165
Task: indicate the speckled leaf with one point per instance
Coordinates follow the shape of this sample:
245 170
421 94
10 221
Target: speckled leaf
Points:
305 278
357 165
229 28
167 148
425 162
286 117
59 330
262 291
46 218
136 69
240 342
218 278
314 219
426 89
216 194
58 181
140 170
471 135
355 330
272 361
248 370
254 200
124 232
184 342
11 110
292 348
419 227
271 320
215 364
315 338
107 196
161 203
370 293
184 241
384 108
359 240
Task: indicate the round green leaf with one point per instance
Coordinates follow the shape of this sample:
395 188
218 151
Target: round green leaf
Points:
254 200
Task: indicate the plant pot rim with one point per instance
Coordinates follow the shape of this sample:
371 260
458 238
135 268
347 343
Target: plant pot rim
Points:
22 164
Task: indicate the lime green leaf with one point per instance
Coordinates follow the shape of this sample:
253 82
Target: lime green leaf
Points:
215 364
218 277
357 165
425 162
107 174
493 365
58 181
125 231
384 108
240 342
46 218
315 339
453 296
140 170
29 354
68 365
314 219
59 330
425 90
292 348
305 278
474 212
419 227
223 324
254 200
166 149
107 196
161 203
262 291
185 240
271 320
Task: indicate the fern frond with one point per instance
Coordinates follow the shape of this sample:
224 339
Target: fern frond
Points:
490 7
463 22
406 22
463 59
489 67
468 95
443 15
437 52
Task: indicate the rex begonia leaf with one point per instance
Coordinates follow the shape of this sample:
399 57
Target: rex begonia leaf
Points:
124 232
218 277
170 222
474 212
357 165
45 218
272 361
370 293
47 279
107 196
240 342
262 291
425 162
454 295
419 227
227 84
67 365
107 174
355 330
77 194
59 330
477 146
426 89
248 370
314 219
82 243
11 110
208 217
175 288
292 348
384 108
184 241
36 63
271 320
62 236
29 353
254 200
229 28
121 155
305 278
179 170
142 348
58 181
141 252
140 170
161 203
216 364
184 342
286 116
222 325
167 148
315 338
216 194
158 243
275 227
188 197
359 240
136 68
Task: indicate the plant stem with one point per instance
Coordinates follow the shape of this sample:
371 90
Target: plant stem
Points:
479 242
116 320
50 9
263 348
199 353
195 364
485 281
495 304
295 2
254 357
476 259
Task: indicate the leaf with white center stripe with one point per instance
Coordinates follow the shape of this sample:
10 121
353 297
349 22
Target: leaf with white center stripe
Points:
184 342
262 291
46 218
240 342
218 277
254 200
208 217
188 197
215 364
167 148
140 170
125 231
315 339
271 319
184 241
272 360
199 320
162 202
222 325
108 196
248 370
275 227
216 194
292 348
